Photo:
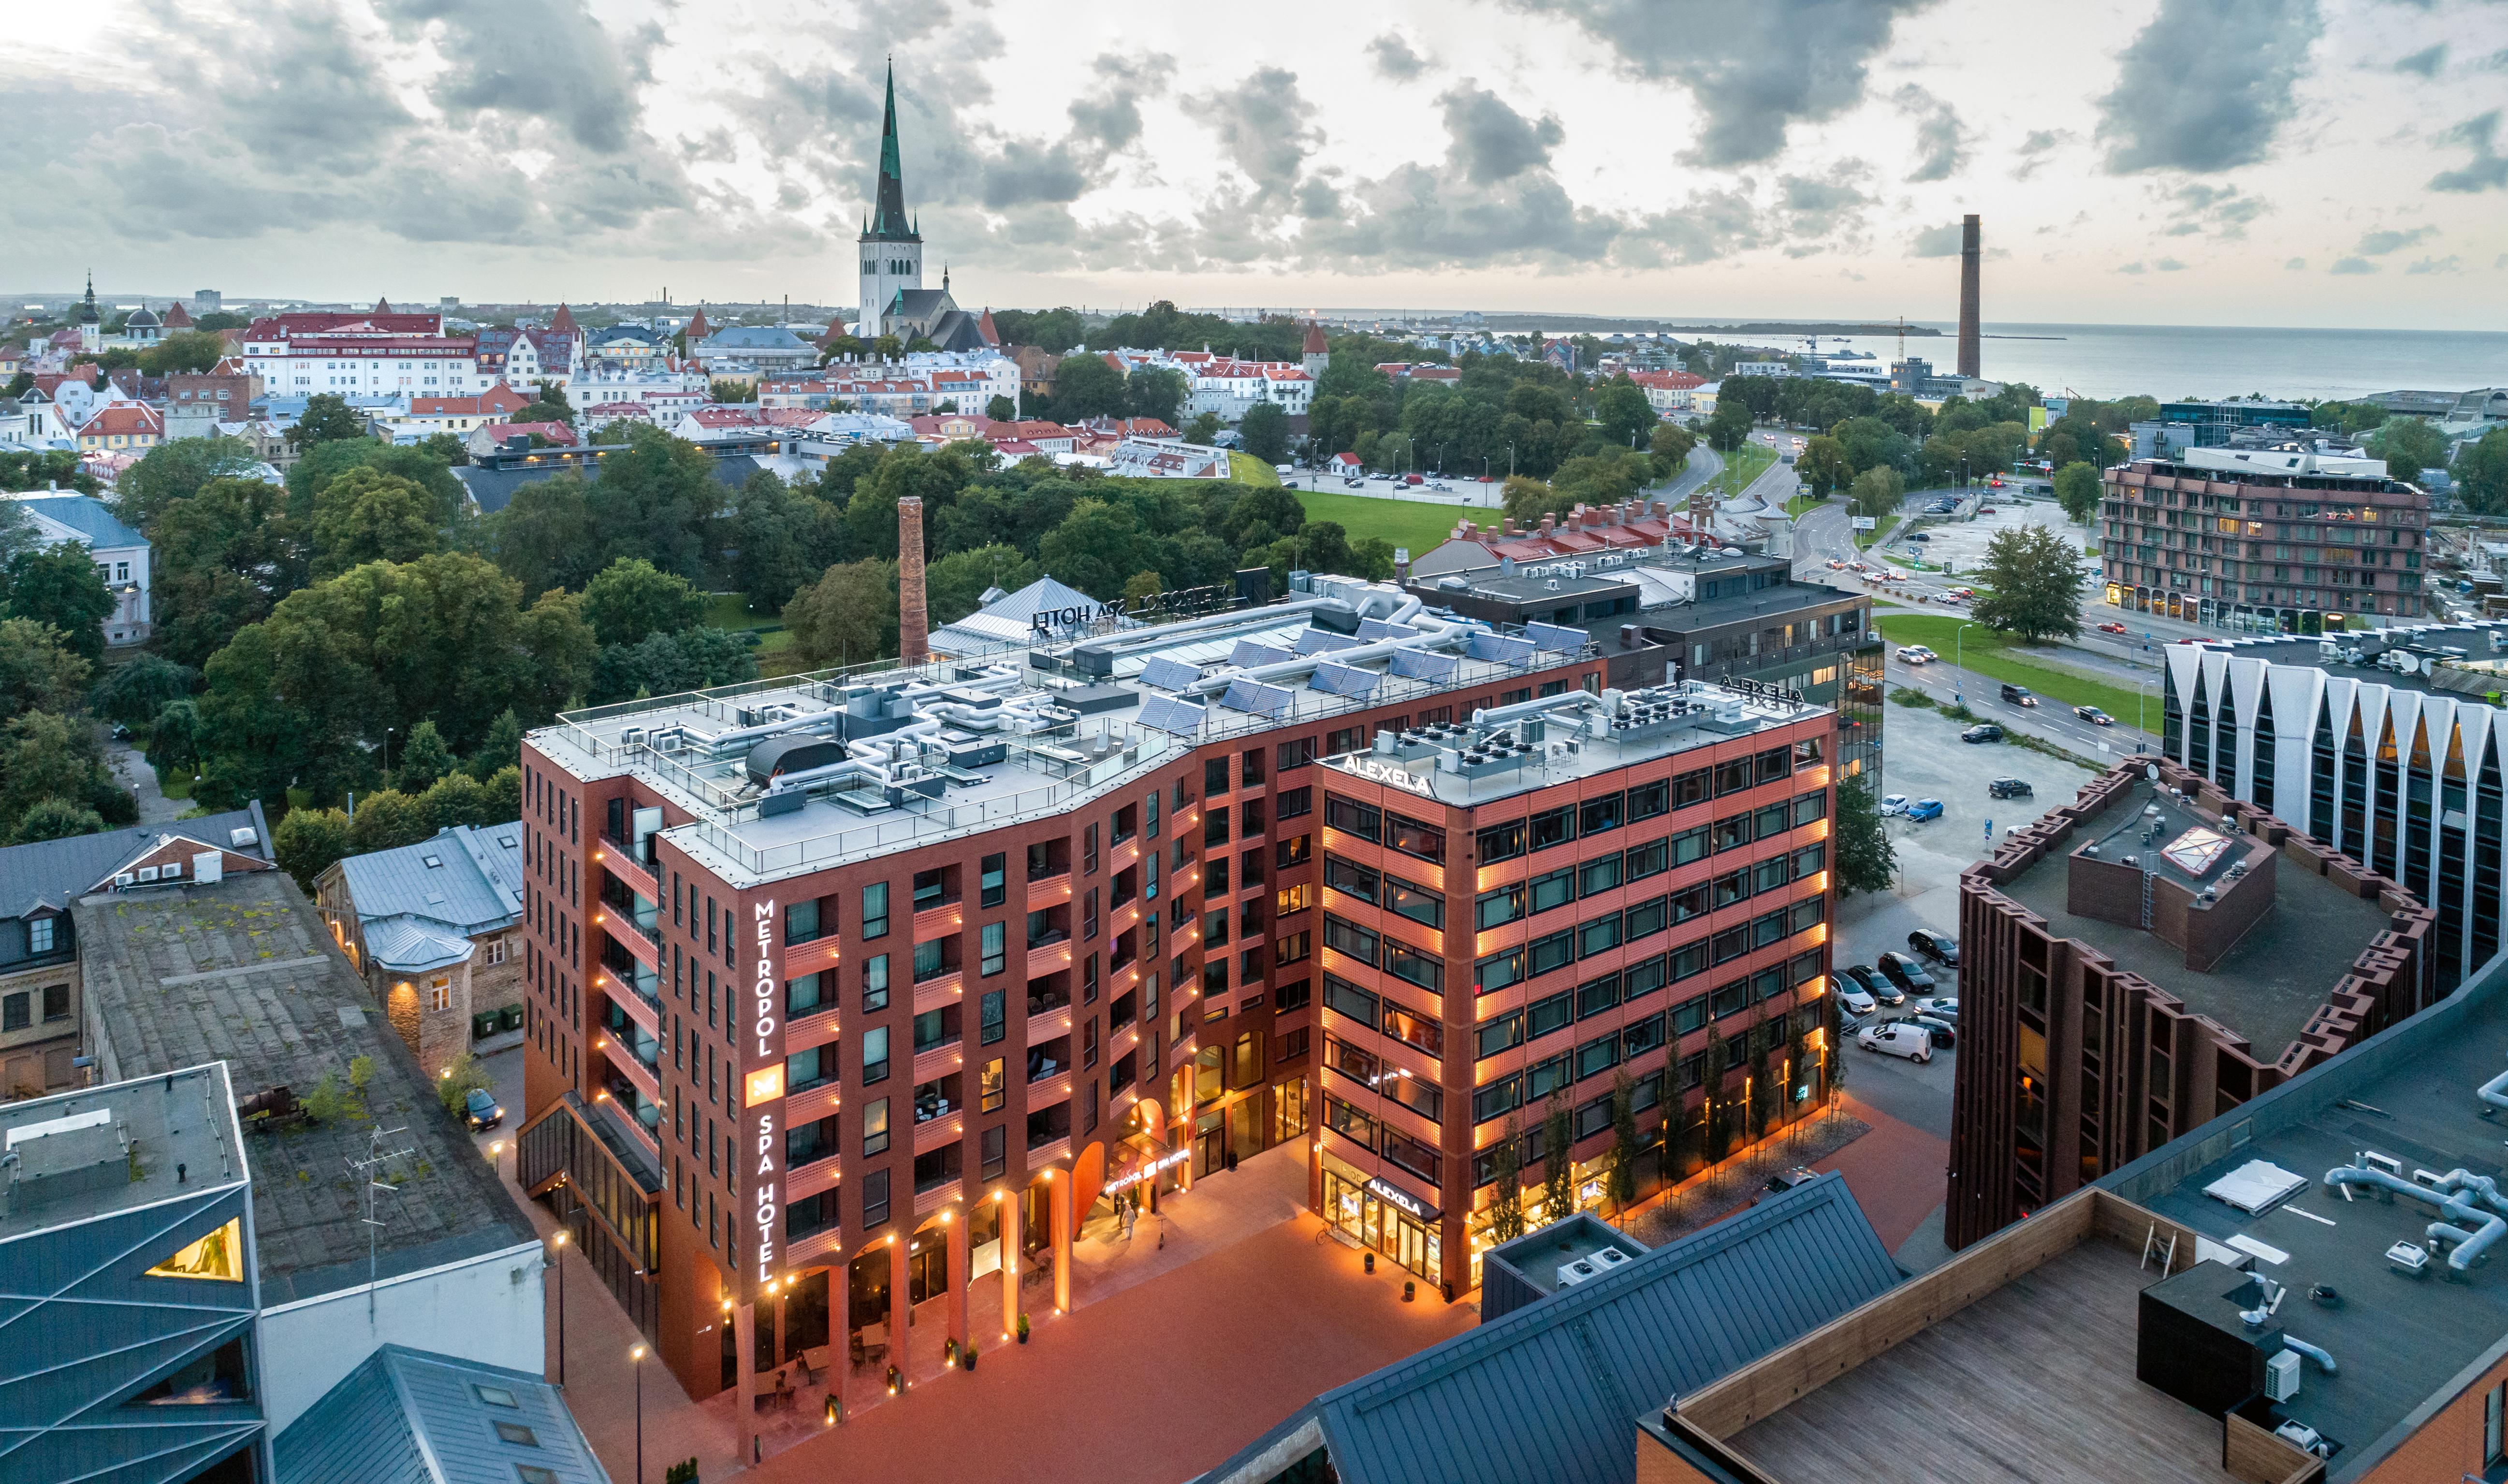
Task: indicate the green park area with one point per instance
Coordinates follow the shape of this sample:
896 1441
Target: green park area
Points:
1252 472
2004 657
1741 467
1415 524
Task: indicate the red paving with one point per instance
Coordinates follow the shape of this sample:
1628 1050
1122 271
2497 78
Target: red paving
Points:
1153 1385
1896 1173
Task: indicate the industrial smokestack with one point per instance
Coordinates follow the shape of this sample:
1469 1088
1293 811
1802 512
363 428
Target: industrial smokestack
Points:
1969 363
914 614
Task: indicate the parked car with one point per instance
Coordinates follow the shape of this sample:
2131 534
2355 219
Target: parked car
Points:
1872 981
1924 809
1916 535
2018 696
1944 1006
1893 803
1941 947
1982 731
1897 1039
1413 479
1913 654
1354 482
480 1110
1852 995
2112 628
1905 972
1986 509
2009 788
1798 1176
2094 716
1938 1030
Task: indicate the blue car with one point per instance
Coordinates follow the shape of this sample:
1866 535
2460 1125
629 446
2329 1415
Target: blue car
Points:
1925 808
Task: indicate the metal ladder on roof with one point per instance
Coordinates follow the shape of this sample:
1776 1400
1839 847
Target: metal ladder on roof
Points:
2151 1245
2146 898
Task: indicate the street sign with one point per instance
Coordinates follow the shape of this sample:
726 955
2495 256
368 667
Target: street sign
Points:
1864 522
1989 831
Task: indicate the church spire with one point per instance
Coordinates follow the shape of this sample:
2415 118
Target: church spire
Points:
889 222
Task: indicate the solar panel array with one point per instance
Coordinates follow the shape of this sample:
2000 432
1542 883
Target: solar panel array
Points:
1343 680
1373 629
1167 713
1552 636
1423 664
1170 673
1260 699
1319 641
1500 647
1248 654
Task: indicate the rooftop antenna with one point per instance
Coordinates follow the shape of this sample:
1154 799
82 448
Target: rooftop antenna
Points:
375 1156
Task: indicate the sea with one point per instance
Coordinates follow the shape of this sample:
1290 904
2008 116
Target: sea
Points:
2173 361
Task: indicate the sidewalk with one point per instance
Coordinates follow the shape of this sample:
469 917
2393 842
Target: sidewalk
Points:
1897 1173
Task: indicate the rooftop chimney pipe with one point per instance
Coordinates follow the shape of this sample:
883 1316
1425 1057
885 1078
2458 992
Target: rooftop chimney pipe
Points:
1969 360
913 614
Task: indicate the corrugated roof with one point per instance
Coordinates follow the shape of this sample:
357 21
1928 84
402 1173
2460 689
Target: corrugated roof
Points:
1005 621
418 906
1549 1393
55 873
415 1417
87 516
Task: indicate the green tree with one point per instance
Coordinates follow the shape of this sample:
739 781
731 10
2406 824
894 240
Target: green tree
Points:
176 470
550 404
1670 443
1762 1096
2037 581
1088 386
2076 490
1730 428
2409 446
424 759
135 691
366 516
1821 465
666 664
174 737
1833 1038
501 749
386 819
1265 431
308 842
1203 429
630 598
955 585
62 585
1096 548
2482 473
848 616
1002 409
1142 585
1622 413
1877 491
1150 391
1558 1159
45 755
327 418
323 463
1862 852
39 670
446 447
220 557
184 350
544 537
1719 1112
1506 1181
54 818
1624 1138
1526 498
455 799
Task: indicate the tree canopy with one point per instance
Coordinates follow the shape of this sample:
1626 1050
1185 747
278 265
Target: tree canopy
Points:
2035 573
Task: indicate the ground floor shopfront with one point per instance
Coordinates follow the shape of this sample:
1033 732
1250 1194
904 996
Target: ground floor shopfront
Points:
2249 618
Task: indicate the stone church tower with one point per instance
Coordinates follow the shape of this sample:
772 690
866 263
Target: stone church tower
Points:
892 245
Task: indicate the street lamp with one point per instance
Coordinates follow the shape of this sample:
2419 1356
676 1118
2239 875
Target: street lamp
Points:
559 1262
635 1355
1957 664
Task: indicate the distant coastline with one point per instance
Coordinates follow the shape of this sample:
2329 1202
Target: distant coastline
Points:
1580 324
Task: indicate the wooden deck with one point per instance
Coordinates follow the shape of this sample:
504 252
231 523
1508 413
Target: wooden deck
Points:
2034 1383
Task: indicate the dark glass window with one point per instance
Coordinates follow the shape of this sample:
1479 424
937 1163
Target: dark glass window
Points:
1500 842
1354 818
1554 950
1596 815
1552 889
1649 799
1414 838
1553 826
1417 903
1350 878
1498 908
1549 1014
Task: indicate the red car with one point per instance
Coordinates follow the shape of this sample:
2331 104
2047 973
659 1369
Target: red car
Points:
2112 628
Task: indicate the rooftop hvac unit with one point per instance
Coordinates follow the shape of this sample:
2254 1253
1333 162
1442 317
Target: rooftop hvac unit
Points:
1582 1270
2282 1375
243 836
1609 1258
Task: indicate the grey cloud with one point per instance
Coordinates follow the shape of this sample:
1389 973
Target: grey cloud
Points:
1110 117
2294 264
2424 62
2449 264
1492 141
1753 69
1262 129
541 59
1942 242
1941 140
1394 59
2376 244
2221 209
2206 84
2352 266
2039 147
2133 266
2168 265
2488 169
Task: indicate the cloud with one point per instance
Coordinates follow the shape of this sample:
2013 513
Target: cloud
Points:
2449 264
2205 86
2488 169
2352 266
1942 242
1493 142
547 60
2221 211
1753 69
1941 142
2038 148
2376 244
1815 209
2132 267
2294 264
2168 265
1263 130
2424 62
1394 59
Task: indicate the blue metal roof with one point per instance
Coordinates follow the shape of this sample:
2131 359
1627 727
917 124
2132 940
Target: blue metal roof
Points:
413 1417
85 516
1550 1392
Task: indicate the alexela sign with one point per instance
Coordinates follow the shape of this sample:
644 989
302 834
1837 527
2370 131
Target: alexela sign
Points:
1390 774
764 1095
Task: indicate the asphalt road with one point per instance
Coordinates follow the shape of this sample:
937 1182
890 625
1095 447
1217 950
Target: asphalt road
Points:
2049 720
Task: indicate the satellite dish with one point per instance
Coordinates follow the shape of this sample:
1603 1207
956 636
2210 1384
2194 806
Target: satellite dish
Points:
2150 770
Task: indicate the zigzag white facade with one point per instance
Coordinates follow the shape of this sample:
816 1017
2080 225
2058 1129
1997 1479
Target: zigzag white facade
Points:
2402 777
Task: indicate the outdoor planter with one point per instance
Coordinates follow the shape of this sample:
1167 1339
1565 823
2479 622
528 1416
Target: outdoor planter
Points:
1022 1329
968 1360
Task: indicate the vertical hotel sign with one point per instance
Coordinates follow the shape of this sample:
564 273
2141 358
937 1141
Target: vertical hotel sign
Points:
763 1103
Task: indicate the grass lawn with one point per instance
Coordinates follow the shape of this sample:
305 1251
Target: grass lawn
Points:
1741 467
176 783
1412 524
1803 504
1247 470
2004 659
730 611
1866 540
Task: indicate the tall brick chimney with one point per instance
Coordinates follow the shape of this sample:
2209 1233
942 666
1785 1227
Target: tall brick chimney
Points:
914 614
1970 362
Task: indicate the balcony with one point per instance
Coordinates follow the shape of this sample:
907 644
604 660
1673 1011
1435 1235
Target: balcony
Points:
801 1181
818 1027
1122 1041
946 920
817 956
630 872
1052 1149
1048 1021
1048 958
645 1078
820 1244
644 1010
1052 891
926 1202
932 993
935 1132
623 931
938 1060
813 1103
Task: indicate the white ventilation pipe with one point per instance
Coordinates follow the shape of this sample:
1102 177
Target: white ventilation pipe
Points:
2465 1246
2324 1362
1500 714
1446 638
2493 1094
1134 639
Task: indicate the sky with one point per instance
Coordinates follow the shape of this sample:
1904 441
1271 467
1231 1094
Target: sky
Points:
2305 163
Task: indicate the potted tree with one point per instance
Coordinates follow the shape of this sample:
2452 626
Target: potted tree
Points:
1022 1328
